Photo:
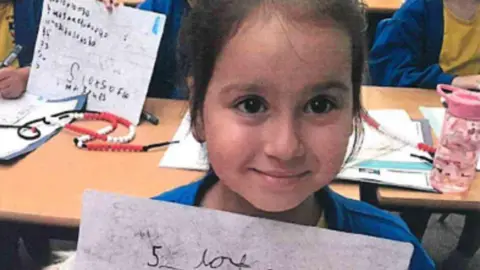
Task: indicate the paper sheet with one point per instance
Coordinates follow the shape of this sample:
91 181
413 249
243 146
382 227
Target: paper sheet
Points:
11 145
83 49
418 180
14 110
188 154
124 233
378 149
435 117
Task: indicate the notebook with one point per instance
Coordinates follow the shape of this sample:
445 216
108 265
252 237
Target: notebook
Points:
407 172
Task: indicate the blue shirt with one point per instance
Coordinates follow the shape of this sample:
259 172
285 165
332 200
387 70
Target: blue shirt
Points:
407 47
341 214
164 77
27 15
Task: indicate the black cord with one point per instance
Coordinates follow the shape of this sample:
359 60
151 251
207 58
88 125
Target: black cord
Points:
429 160
28 132
157 145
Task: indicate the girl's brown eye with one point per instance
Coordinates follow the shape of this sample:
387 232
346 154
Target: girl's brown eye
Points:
251 105
319 105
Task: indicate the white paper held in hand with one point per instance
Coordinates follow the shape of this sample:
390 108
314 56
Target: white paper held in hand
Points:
83 49
124 233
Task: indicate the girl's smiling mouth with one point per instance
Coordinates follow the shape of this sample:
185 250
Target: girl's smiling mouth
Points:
280 178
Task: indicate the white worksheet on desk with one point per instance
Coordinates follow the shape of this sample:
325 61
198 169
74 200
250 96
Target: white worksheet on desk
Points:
83 49
188 154
23 110
14 110
124 233
378 147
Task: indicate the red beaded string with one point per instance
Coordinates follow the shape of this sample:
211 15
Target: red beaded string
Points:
114 147
102 116
88 135
63 119
85 131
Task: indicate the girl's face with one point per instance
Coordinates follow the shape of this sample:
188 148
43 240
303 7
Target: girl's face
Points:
278 111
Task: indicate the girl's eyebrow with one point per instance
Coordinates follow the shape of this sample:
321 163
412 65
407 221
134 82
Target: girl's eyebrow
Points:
328 86
259 88
254 87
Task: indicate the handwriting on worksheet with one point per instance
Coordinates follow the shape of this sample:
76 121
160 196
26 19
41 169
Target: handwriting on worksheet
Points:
14 110
119 232
205 261
83 49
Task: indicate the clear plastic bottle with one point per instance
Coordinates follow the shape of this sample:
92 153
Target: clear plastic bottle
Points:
454 166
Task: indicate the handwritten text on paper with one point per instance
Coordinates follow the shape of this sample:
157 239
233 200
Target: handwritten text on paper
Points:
119 232
83 49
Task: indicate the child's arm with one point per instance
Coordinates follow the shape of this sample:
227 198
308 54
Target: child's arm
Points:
467 82
398 57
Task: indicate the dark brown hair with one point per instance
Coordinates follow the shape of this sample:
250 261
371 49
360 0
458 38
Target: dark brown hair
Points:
211 23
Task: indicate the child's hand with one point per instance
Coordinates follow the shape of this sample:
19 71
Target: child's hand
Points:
13 82
110 4
467 82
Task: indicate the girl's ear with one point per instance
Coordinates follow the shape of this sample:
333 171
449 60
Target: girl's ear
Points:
197 123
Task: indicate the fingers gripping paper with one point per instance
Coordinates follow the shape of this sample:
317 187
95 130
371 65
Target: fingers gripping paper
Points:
119 232
83 49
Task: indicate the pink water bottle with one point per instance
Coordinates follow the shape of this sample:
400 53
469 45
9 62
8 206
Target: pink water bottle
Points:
454 166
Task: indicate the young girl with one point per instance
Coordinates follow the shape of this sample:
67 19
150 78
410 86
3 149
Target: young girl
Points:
274 95
428 42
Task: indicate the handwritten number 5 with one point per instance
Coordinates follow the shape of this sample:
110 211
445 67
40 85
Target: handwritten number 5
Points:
154 253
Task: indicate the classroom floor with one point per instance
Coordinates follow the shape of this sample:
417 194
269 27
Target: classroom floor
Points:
439 240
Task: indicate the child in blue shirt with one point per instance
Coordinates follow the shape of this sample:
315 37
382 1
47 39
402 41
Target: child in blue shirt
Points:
274 90
426 43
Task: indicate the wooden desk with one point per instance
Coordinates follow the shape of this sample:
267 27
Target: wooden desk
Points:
383 5
409 100
46 187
